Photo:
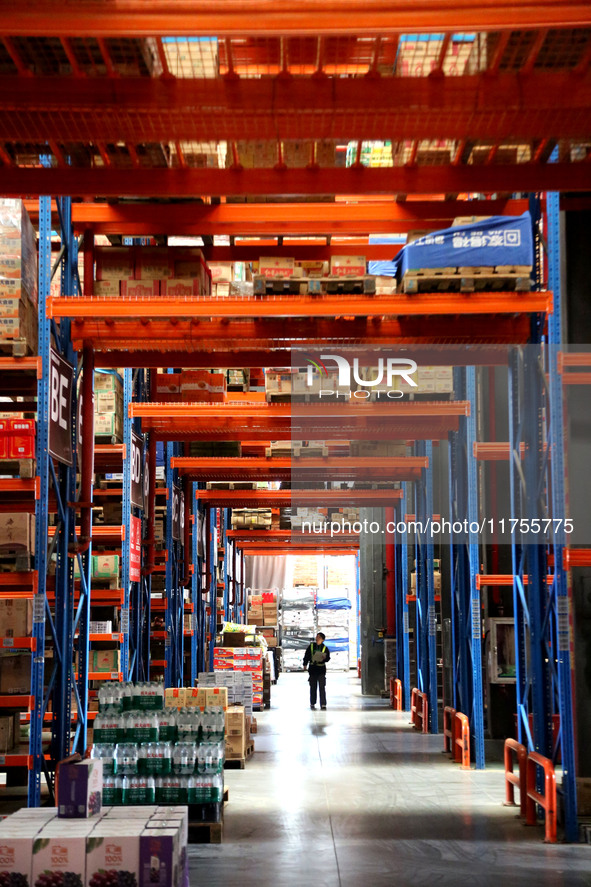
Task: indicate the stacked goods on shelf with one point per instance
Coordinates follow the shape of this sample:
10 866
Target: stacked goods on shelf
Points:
222 275
203 386
17 439
296 448
156 754
251 518
140 272
307 519
262 609
490 254
243 659
298 624
146 846
108 406
333 620
427 379
436 578
18 277
238 685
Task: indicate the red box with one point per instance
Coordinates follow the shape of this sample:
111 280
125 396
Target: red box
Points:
178 288
140 289
22 439
269 597
4 438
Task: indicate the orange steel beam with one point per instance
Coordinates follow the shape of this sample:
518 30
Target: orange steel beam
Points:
283 551
176 182
576 557
280 411
429 304
265 357
106 56
262 536
311 547
145 18
281 498
508 105
148 340
251 252
320 468
494 451
71 56
5 156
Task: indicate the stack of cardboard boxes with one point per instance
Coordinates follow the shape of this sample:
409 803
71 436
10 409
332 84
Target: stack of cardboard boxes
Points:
142 272
132 845
108 406
16 621
18 275
242 659
17 438
237 683
252 518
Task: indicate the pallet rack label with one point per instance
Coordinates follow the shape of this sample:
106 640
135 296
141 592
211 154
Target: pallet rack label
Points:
60 408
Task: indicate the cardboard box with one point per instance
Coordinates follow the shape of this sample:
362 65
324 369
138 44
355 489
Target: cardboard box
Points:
235 746
174 697
139 289
61 849
348 266
195 697
108 382
105 566
235 721
17 533
216 696
107 289
22 323
114 263
16 618
21 442
234 639
108 402
114 847
109 425
10 731
273 266
80 789
18 246
222 272
15 674
16 849
160 857
168 383
179 287
104 660
153 263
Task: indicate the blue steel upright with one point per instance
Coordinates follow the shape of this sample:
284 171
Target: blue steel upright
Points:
401 586
126 664
561 593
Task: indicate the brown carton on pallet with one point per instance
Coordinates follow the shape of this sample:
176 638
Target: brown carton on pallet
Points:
235 747
16 618
235 721
15 674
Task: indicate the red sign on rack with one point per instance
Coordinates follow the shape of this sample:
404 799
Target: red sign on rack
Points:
135 549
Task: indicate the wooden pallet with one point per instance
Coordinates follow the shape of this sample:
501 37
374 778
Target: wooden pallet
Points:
499 278
24 468
240 763
313 286
16 561
206 832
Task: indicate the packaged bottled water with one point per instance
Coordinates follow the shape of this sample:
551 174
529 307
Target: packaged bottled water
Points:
184 756
106 754
156 758
167 726
108 728
127 759
138 790
141 726
112 791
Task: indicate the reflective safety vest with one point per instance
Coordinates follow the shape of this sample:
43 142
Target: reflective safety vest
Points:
322 650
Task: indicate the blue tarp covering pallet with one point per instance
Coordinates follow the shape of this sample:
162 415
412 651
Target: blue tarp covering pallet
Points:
500 241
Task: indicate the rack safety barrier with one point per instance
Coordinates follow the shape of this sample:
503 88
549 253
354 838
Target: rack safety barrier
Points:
547 801
461 740
396 694
449 714
511 779
419 710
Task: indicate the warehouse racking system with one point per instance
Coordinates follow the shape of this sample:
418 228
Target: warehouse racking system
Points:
106 133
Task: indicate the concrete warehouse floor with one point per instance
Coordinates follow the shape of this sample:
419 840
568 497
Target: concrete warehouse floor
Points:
353 796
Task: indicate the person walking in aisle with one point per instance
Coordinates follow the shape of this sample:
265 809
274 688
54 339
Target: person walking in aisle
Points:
316 657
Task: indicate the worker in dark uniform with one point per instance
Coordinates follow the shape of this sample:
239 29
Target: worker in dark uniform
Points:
316 657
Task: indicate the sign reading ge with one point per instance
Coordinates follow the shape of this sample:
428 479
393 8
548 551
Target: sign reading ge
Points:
61 384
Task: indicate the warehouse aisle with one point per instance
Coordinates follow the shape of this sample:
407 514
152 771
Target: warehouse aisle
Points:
352 797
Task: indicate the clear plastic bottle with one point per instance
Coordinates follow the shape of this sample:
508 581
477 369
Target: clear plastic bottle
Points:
106 754
112 791
107 728
127 759
184 756
167 725
141 726
156 758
